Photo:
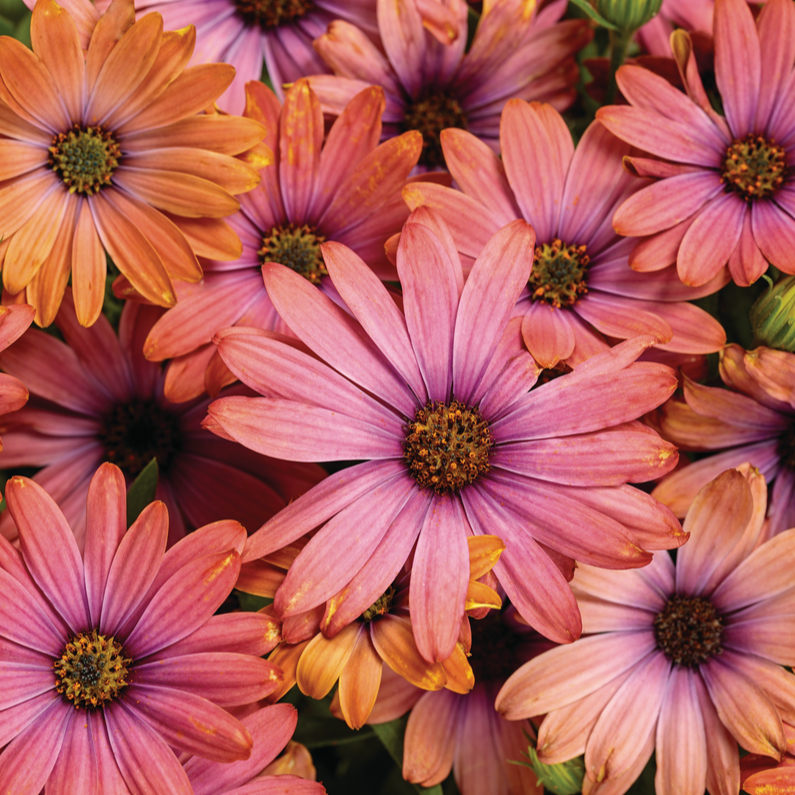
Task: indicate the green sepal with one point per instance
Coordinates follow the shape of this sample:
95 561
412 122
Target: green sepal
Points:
142 491
773 315
564 778
594 14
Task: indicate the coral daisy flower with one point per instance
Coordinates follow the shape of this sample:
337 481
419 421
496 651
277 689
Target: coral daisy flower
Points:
356 649
463 733
348 190
434 400
683 657
101 156
754 418
14 321
430 85
760 775
581 286
725 189
97 399
113 656
270 729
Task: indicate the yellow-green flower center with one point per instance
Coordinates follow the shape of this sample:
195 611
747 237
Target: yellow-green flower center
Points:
92 670
297 247
272 13
689 630
558 275
754 167
447 446
380 607
85 159
430 116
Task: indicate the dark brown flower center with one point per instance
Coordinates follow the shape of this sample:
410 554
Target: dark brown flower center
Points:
558 275
272 13
447 446
786 447
84 159
494 648
92 670
135 433
297 247
754 167
380 607
689 630
430 116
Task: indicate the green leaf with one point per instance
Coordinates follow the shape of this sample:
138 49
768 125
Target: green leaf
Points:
250 603
22 30
391 735
594 14
142 491
6 27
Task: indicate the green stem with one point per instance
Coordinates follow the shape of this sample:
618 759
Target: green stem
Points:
619 43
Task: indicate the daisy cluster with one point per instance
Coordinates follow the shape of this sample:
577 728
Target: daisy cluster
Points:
397 396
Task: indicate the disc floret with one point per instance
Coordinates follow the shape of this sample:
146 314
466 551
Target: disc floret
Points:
380 607
558 275
85 158
689 630
430 116
272 13
754 167
297 247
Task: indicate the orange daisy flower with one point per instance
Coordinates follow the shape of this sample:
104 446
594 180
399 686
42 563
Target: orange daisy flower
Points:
103 150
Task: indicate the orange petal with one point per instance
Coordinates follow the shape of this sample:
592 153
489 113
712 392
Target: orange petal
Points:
229 173
21 197
114 23
185 379
32 244
229 135
480 595
167 240
263 105
359 682
182 194
286 656
460 678
209 237
260 578
89 269
46 289
126 66
218 376
131 251
32 86
484 552
55 40
176 48
188 94
324 659
394 641
20 157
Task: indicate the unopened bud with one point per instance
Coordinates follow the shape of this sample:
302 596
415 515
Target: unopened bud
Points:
628 15
773 316
564 778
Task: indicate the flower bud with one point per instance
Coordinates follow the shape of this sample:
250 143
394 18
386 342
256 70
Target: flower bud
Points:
773 315
564 778
628 15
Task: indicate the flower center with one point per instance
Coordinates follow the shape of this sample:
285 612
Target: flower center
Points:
786 447
135 433
558 275
272 13
493 655
381 605
754 167
689 630
92 670
447 446
84 159
297 247
430 116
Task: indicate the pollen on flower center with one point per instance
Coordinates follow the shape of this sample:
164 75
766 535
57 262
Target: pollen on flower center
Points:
272 13
558 275
430 116
381 605
297 247
754 167
689 630
493 655
84 159
92 670
447 446
135 433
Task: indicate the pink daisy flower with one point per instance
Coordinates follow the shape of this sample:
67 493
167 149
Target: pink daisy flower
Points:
271 728
348 191
724 191
463 732
430 86
754 419
434 400
685 658
14 321
111 659
97 399
581 288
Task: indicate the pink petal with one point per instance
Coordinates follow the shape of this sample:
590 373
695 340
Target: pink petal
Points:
403 37
431 738
611 315
479 765
747 263
508 385
695 330
76 768
439 579
774 233
495 282
547 333
777 54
